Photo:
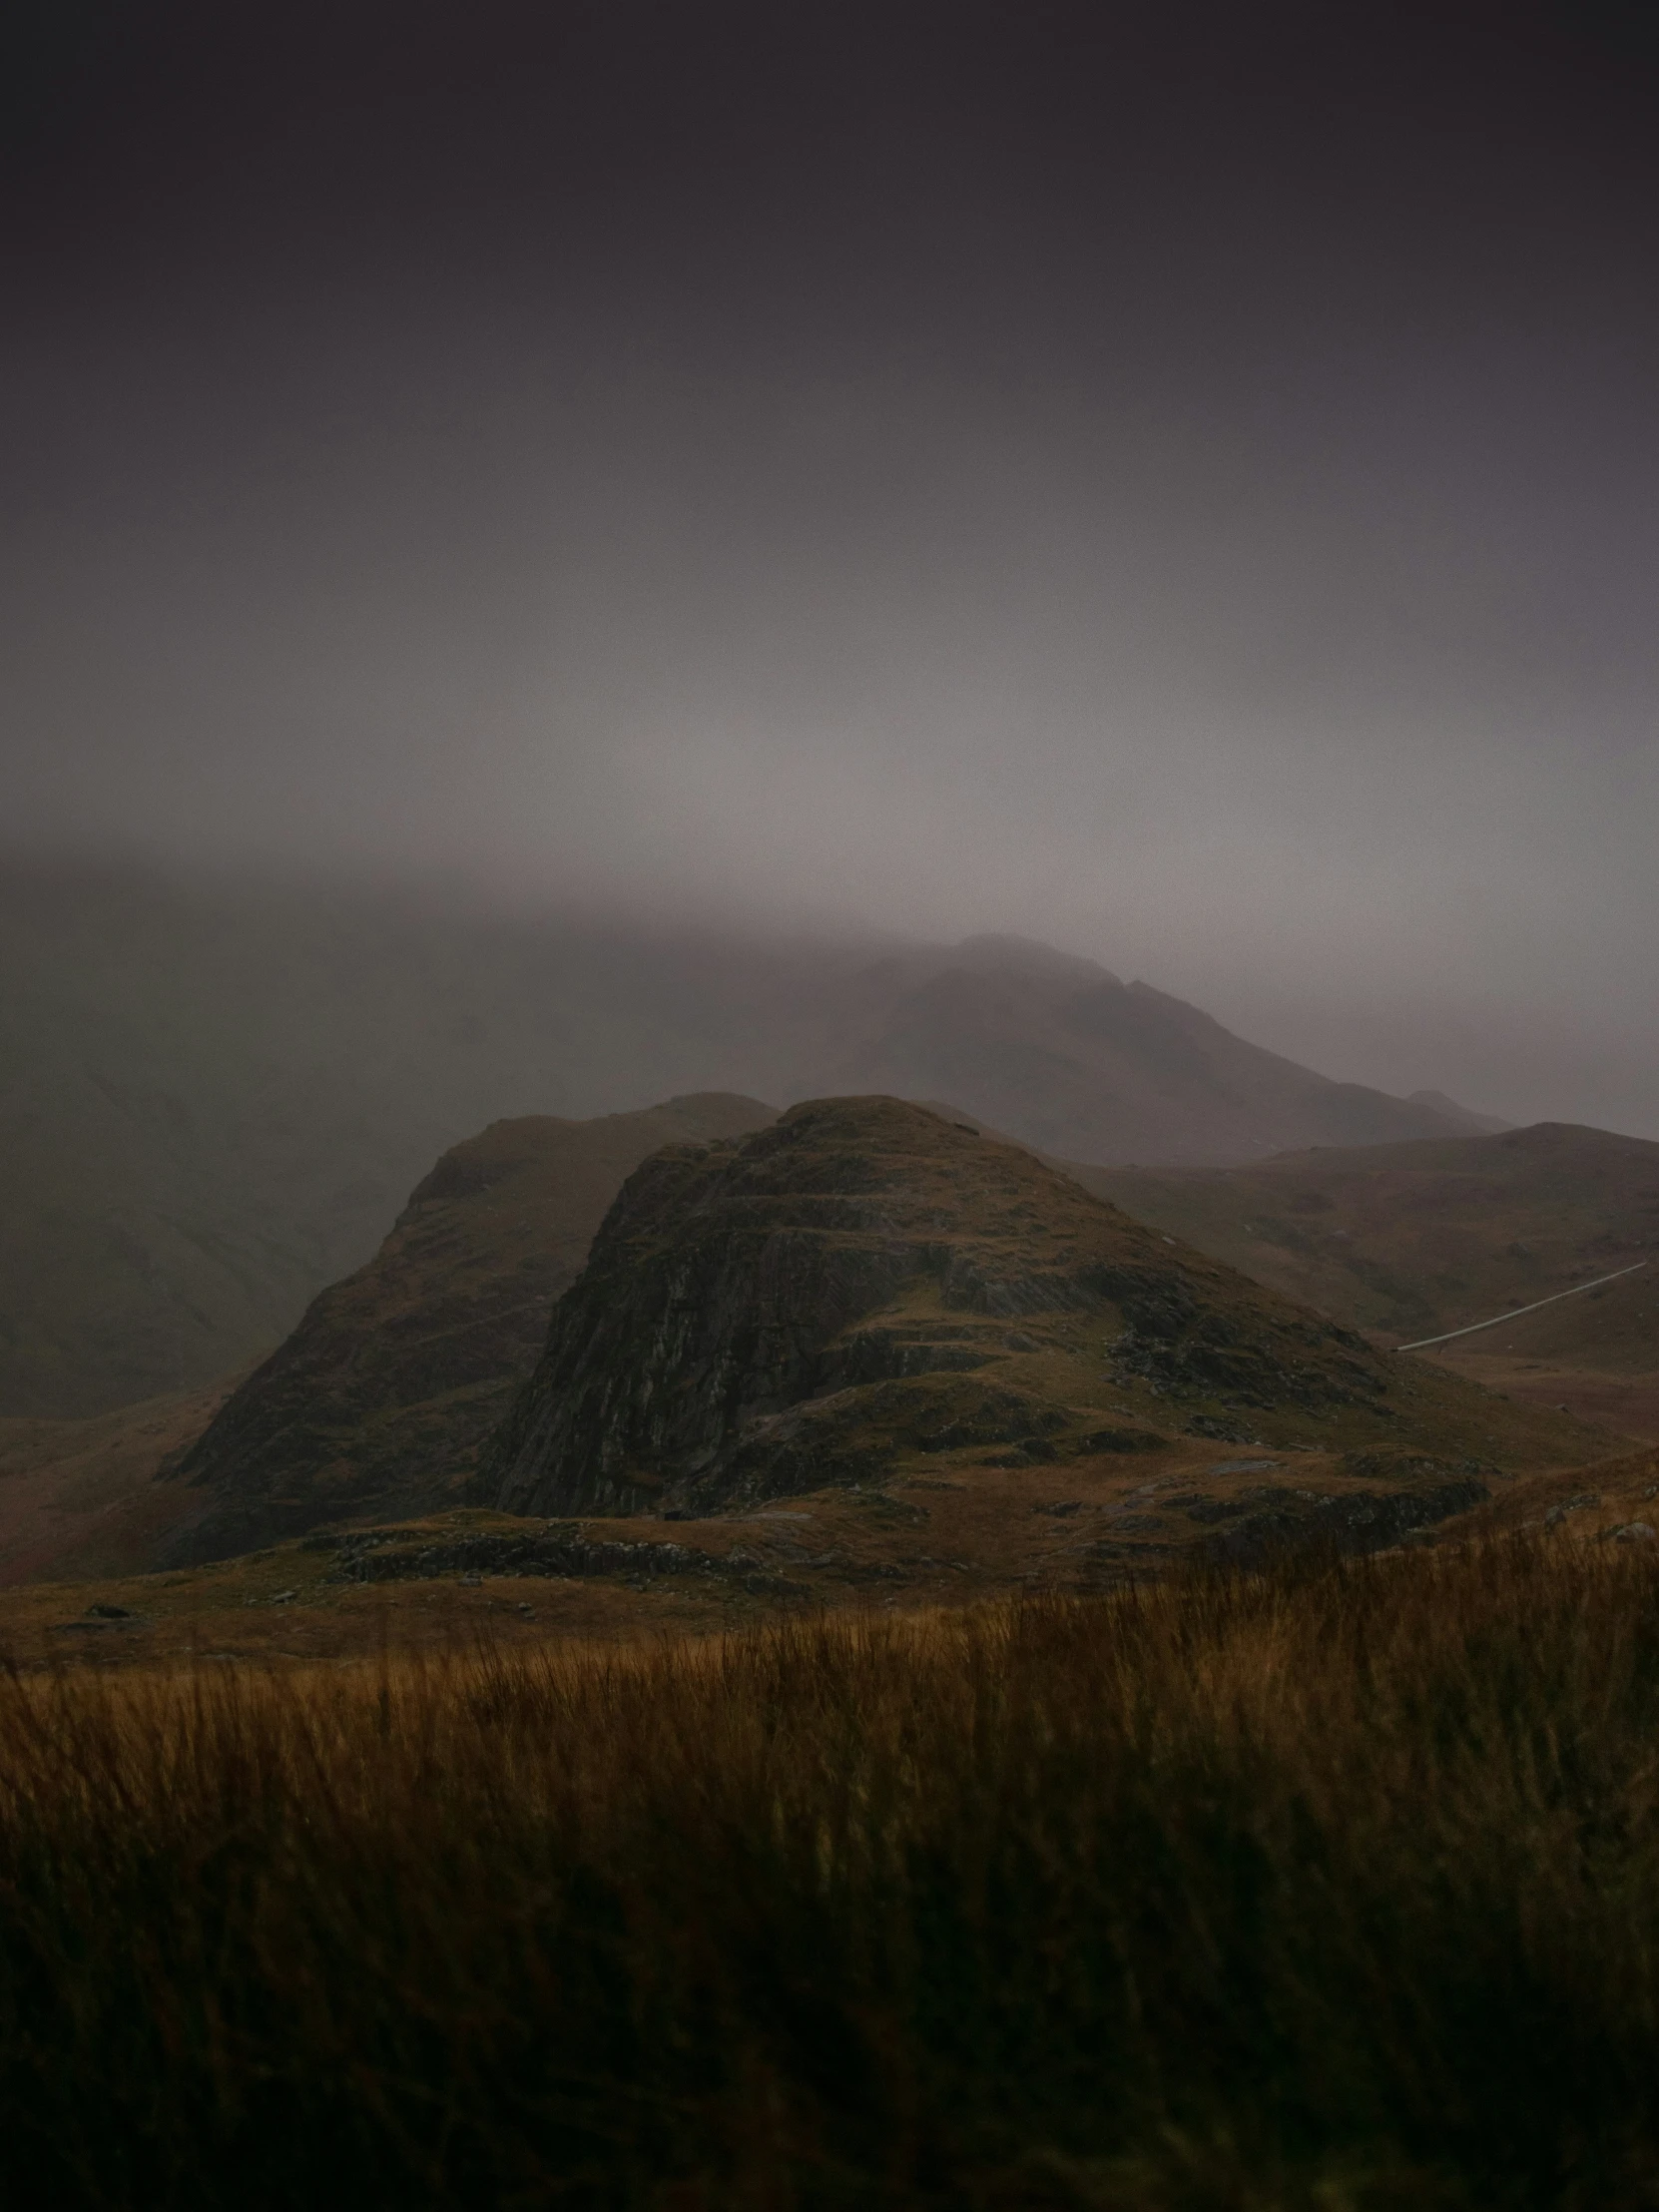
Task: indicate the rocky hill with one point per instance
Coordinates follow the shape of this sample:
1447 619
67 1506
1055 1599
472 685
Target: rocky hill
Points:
380 1399
212 1096
867 1289
1478 1227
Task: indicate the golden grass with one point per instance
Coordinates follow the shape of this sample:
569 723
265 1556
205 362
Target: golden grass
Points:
1337 1888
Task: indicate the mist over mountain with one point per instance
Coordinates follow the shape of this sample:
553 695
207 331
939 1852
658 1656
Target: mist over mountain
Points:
216 1099
1179 483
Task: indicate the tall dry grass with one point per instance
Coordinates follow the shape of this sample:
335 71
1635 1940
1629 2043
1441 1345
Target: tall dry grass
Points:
1334 1888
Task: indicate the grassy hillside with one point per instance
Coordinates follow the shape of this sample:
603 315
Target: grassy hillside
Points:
1409 1240
1599 1355
1319 1890
81 1498
978 1525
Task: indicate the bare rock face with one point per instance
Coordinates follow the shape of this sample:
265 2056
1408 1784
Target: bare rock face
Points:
867 1281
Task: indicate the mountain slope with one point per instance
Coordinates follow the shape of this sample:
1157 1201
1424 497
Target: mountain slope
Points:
1414 1240
1460 1117
82 1498
867 1287
1411 1240
1064 1056
379 1399
212 1096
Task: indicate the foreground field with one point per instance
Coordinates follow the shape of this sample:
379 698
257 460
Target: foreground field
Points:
1334 1888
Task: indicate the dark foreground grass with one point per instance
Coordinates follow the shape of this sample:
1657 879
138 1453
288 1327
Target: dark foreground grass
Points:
1335 1889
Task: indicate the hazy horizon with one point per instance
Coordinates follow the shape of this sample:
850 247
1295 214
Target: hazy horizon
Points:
1174 487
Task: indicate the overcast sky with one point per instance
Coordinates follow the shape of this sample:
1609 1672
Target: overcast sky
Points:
1179 483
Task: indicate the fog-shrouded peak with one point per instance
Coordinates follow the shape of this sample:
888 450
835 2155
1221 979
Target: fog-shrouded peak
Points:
1177 484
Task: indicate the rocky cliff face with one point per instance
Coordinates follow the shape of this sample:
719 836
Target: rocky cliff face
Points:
380 1399
867 1285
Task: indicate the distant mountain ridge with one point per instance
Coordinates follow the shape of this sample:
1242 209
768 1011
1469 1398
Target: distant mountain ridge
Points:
1463 1117
213 1097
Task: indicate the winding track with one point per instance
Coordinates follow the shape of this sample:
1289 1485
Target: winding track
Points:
1514 1310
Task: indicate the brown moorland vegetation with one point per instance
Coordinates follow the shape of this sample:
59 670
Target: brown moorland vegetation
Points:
1335 1887
1408 1240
